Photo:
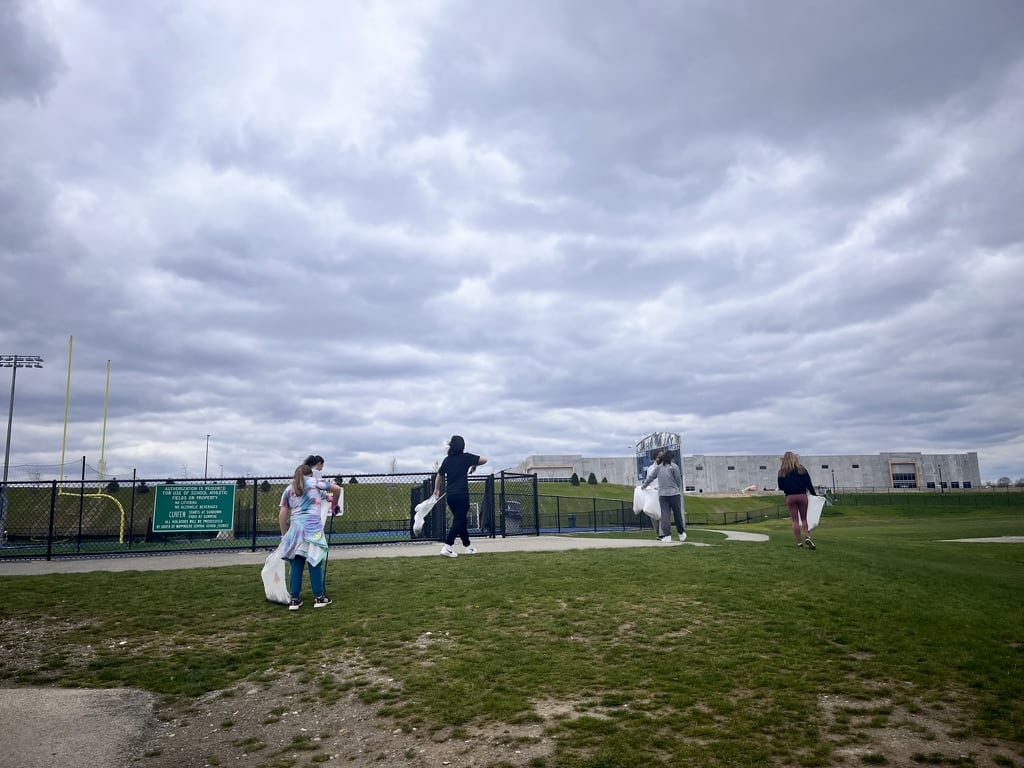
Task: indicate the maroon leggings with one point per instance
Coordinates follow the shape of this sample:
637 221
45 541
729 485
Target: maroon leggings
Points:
797 504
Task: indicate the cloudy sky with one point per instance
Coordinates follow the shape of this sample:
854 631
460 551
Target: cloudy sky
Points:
355 228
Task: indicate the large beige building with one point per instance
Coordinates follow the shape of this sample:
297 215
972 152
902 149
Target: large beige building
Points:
733 473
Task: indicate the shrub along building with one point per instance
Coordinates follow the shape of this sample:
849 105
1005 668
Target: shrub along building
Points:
735 473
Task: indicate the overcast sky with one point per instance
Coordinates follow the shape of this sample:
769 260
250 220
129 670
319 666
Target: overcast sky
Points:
356 228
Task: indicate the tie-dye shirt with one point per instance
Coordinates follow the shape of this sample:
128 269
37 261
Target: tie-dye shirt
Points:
305 534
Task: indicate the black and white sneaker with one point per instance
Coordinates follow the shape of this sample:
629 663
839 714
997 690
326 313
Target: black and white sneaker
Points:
295 604
809 543
322 602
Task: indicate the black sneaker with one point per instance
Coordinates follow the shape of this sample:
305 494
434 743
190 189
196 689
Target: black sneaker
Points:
809 543
295 604
322 602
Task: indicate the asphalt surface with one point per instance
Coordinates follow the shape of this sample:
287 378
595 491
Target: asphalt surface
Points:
85 728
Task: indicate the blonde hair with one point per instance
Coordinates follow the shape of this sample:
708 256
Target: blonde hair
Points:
298 484
790 461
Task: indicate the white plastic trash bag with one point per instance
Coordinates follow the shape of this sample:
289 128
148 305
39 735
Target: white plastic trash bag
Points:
638 500
274 581
814 506
652 505
422 510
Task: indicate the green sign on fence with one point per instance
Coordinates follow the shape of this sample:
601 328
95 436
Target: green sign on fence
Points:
194 507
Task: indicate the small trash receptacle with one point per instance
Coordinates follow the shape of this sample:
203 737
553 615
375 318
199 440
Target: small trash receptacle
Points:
572 521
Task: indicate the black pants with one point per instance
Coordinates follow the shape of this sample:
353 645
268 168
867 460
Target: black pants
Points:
459 505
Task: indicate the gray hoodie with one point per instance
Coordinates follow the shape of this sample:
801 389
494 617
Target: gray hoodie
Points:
670 479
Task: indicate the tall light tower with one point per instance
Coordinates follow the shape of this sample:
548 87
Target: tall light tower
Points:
206 464
14 362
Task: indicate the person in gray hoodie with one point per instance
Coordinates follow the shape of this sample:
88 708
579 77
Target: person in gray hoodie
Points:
670 495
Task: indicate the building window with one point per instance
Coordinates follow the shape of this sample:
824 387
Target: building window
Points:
967 483
930 485
699 468
904 480
955 484
762 467
824 466
855 466
904 475
730 467
690 489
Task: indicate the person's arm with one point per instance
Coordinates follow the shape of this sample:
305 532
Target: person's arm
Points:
652 472
336 490
480 461
437 483
284 517
809 484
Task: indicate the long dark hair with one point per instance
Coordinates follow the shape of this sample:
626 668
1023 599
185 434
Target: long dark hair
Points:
456 445
667 456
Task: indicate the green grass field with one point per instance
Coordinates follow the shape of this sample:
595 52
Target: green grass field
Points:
736 654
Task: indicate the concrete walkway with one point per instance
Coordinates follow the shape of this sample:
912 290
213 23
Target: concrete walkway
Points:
411 549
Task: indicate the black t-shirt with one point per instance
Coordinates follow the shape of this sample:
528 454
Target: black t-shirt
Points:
454 470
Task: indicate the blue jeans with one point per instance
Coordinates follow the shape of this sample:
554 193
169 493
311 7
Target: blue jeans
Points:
316 577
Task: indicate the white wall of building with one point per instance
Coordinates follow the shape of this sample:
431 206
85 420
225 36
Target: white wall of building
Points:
734 473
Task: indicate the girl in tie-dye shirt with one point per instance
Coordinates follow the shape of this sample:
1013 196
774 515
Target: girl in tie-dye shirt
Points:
302 535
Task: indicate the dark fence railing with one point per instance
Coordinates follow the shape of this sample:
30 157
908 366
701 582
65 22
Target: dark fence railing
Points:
85 518
80 518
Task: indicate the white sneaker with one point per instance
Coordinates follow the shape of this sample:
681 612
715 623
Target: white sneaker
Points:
470 550
682 536
666 539
448 551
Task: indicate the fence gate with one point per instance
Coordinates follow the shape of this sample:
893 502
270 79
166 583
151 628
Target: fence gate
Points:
518 504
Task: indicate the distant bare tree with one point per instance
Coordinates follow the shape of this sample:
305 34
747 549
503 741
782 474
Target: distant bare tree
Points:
1003 482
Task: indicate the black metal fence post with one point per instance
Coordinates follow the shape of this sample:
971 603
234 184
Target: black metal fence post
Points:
53 514
255 511
81 508
131 513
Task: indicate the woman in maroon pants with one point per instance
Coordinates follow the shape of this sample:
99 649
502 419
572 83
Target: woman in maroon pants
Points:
795 482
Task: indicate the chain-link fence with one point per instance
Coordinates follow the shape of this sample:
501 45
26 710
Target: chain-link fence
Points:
148 516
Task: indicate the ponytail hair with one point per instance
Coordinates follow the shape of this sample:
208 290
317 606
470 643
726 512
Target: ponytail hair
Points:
298 484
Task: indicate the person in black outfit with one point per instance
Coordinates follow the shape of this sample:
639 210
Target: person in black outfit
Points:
795 482
455 471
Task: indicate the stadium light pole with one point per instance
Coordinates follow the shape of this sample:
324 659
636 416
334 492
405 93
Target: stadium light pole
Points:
14 362
206 465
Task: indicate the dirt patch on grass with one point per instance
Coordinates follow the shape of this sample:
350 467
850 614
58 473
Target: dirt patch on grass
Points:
287 719
884 732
